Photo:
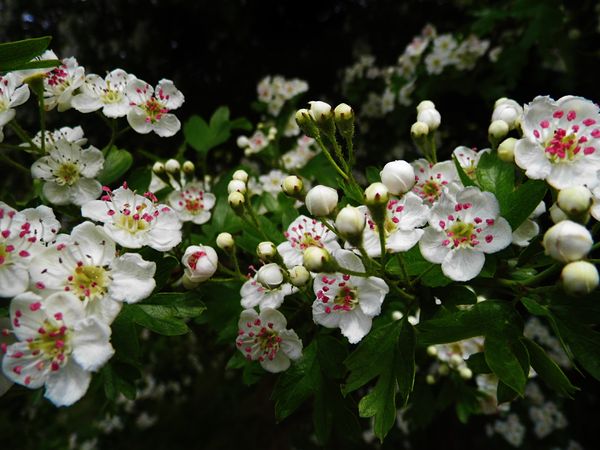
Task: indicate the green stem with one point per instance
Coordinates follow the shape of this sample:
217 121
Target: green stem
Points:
403 269
330 159
16 147
113 135
235 261
425 272
22 134
228 271
350 147
220 280
433 153
401 292
15 164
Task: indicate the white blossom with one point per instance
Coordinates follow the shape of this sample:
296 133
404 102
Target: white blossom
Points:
106 93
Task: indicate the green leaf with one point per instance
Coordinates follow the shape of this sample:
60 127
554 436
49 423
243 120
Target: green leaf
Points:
119 378
464 178
125 340
202 136
501 357
583 342
116 164
139 179
416 265
198 134
523 201
477 363
405 367
497 177
372 174
455 295
164 268
13 55
548 370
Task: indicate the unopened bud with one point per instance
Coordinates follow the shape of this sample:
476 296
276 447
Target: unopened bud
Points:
317 259
306 123
425 104
236 201
199 263
398 176
323 116
344 120
430 379
506 149
497 130
579 278
432 350
455 360
266 250
508 111
431 117
321 200
270 275
292 186
567 241
225 241
465 373
299 276
419 130
397 315
188 167
557 214
443 370
377 194
575 202
240 175
350 223
272 133
172 166
158 168
236 186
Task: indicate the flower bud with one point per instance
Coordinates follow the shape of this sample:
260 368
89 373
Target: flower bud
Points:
377 194
317 259
299 276
443 370
455 361
243 141
306 123
236 201
397 315
431 117
172 166
557 214
497 130
350 223
344 120
425 104
430 379
432 350
579 278
188 167
270 275
199 263
240 175
506 149
158 168
567 241
292 186
465 373
321 200
236 186
398 176
225 241
508 111
272 133
575 201
266 250
419 130
323 116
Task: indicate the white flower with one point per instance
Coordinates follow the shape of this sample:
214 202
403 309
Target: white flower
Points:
402 219
270 275
200 263
106 93
435 62
12 94
192 203
561 142
69 173
60 84
5 340
529 228
253 144
22 235
320 111
302 233
431 117
300 155
272 181
348 302
321 200
265 338
86 265
72 135
398 176
134 221
431 179
469 158
58 346
595 208
150 108
463 229
267 295
567 241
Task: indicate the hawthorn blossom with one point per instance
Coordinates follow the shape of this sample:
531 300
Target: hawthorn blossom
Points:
106 93
72 135
253 144
461 230
133 220
22 235
200 263
561 141
264 338
469 158
271 182
348 302
431 179
60 84
24 76
86 264
529 228
192 203
150 108
403 217
58 346
69 173
302 233
300 155
12 94
5 340
265 294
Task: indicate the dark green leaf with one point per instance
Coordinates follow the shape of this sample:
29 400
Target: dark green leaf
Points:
372 174
455 295
583 342
501 357
477 363
198 134
14 54
405 367
380 403
464 178
116 164
523 201
497 177
164 268
548 370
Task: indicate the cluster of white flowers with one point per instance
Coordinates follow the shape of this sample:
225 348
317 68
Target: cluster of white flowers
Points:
301 154
511 429
534 329
276 90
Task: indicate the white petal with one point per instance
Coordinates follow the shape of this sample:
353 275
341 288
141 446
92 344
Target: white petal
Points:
278 364
431 246
348 260
137 120
94 244
291 344
402 241
85 103
23 370
526 231
92 162
84 190
355 325
95 210
531 157
91 344
132 278
117 109
67 304
291 256
26 319
463 264
65 387
20 96
371 294
501 236
247 316
321 317
56 194
14 280
167 126
175 99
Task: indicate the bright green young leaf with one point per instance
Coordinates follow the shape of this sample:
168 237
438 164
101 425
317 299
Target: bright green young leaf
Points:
464 178
372 174
497 177
522 202
501 357
548 370
15 55
116 163
202 136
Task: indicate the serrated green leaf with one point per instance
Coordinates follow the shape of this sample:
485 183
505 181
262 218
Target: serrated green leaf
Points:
464 178
372 174
548 370
380 403
523 201
501 357
405 367
116 163
17 53
477 363
497 177
431 275
583 342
